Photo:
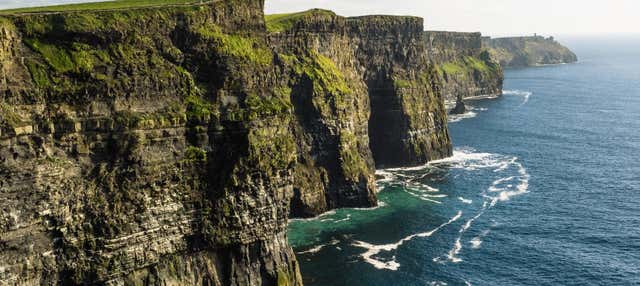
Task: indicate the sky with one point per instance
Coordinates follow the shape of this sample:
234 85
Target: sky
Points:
491 17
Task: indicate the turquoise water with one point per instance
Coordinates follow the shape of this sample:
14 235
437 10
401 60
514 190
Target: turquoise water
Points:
543 189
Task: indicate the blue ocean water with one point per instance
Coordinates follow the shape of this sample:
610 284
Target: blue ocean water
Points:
543 189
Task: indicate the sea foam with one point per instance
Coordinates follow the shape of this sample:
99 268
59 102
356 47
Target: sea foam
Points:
525 94
392 264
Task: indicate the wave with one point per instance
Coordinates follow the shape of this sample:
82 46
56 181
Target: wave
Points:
453 118
476 242
393 265
525 94
511 180
317 248
457 246
381 204
472 112
321 217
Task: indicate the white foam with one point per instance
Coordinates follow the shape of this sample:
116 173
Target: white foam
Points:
348 217
453 118
525 94
472 112
381 204
476 242
318 218
452 255
512 179
455 251
317 248
373 249
387 176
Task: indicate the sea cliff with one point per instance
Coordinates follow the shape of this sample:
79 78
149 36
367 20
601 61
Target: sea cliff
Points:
170 145
464 67
528 51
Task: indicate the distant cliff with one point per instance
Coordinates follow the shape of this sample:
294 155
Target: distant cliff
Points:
463 67
169 145
528 51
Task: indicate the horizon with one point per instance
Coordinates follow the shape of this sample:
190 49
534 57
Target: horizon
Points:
440 18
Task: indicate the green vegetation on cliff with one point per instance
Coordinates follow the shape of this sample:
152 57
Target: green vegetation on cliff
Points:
105 5
528 51
469 65
242 47
284 22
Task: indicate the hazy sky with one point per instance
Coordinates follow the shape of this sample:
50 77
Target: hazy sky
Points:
492 17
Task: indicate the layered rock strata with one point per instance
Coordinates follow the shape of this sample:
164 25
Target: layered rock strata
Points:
528 51
465 69
386 97
170 145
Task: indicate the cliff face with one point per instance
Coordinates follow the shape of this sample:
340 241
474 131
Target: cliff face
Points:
464 67
147 146
528 51
170 145
385 97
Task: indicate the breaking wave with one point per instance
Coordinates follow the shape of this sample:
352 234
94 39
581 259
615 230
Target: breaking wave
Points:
471 113
510 179
525 94
373 249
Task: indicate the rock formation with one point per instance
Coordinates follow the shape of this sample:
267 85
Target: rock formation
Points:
380 103
465 69
528 51
170 145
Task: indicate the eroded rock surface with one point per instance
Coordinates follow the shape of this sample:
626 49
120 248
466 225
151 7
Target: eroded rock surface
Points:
170 145
465 68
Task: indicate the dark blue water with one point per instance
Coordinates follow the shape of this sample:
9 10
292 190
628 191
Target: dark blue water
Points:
543 189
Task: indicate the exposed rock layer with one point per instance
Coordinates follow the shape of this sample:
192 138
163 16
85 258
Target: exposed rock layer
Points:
528 51
388 108
465 69
163 146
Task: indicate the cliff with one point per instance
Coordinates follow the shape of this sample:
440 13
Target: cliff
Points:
465 69
385 100
169 145
528 51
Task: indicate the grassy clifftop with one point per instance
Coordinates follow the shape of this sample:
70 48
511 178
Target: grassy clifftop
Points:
283 22
528 51
107 5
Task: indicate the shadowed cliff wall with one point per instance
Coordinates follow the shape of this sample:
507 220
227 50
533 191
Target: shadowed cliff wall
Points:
170 145
389 108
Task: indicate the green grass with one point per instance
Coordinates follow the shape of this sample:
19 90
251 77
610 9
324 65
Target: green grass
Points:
195 154
284 22
241 47
8 115
118 4
323 72
453 68
57 58
469 64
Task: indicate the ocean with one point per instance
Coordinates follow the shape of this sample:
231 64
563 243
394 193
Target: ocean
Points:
543 189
